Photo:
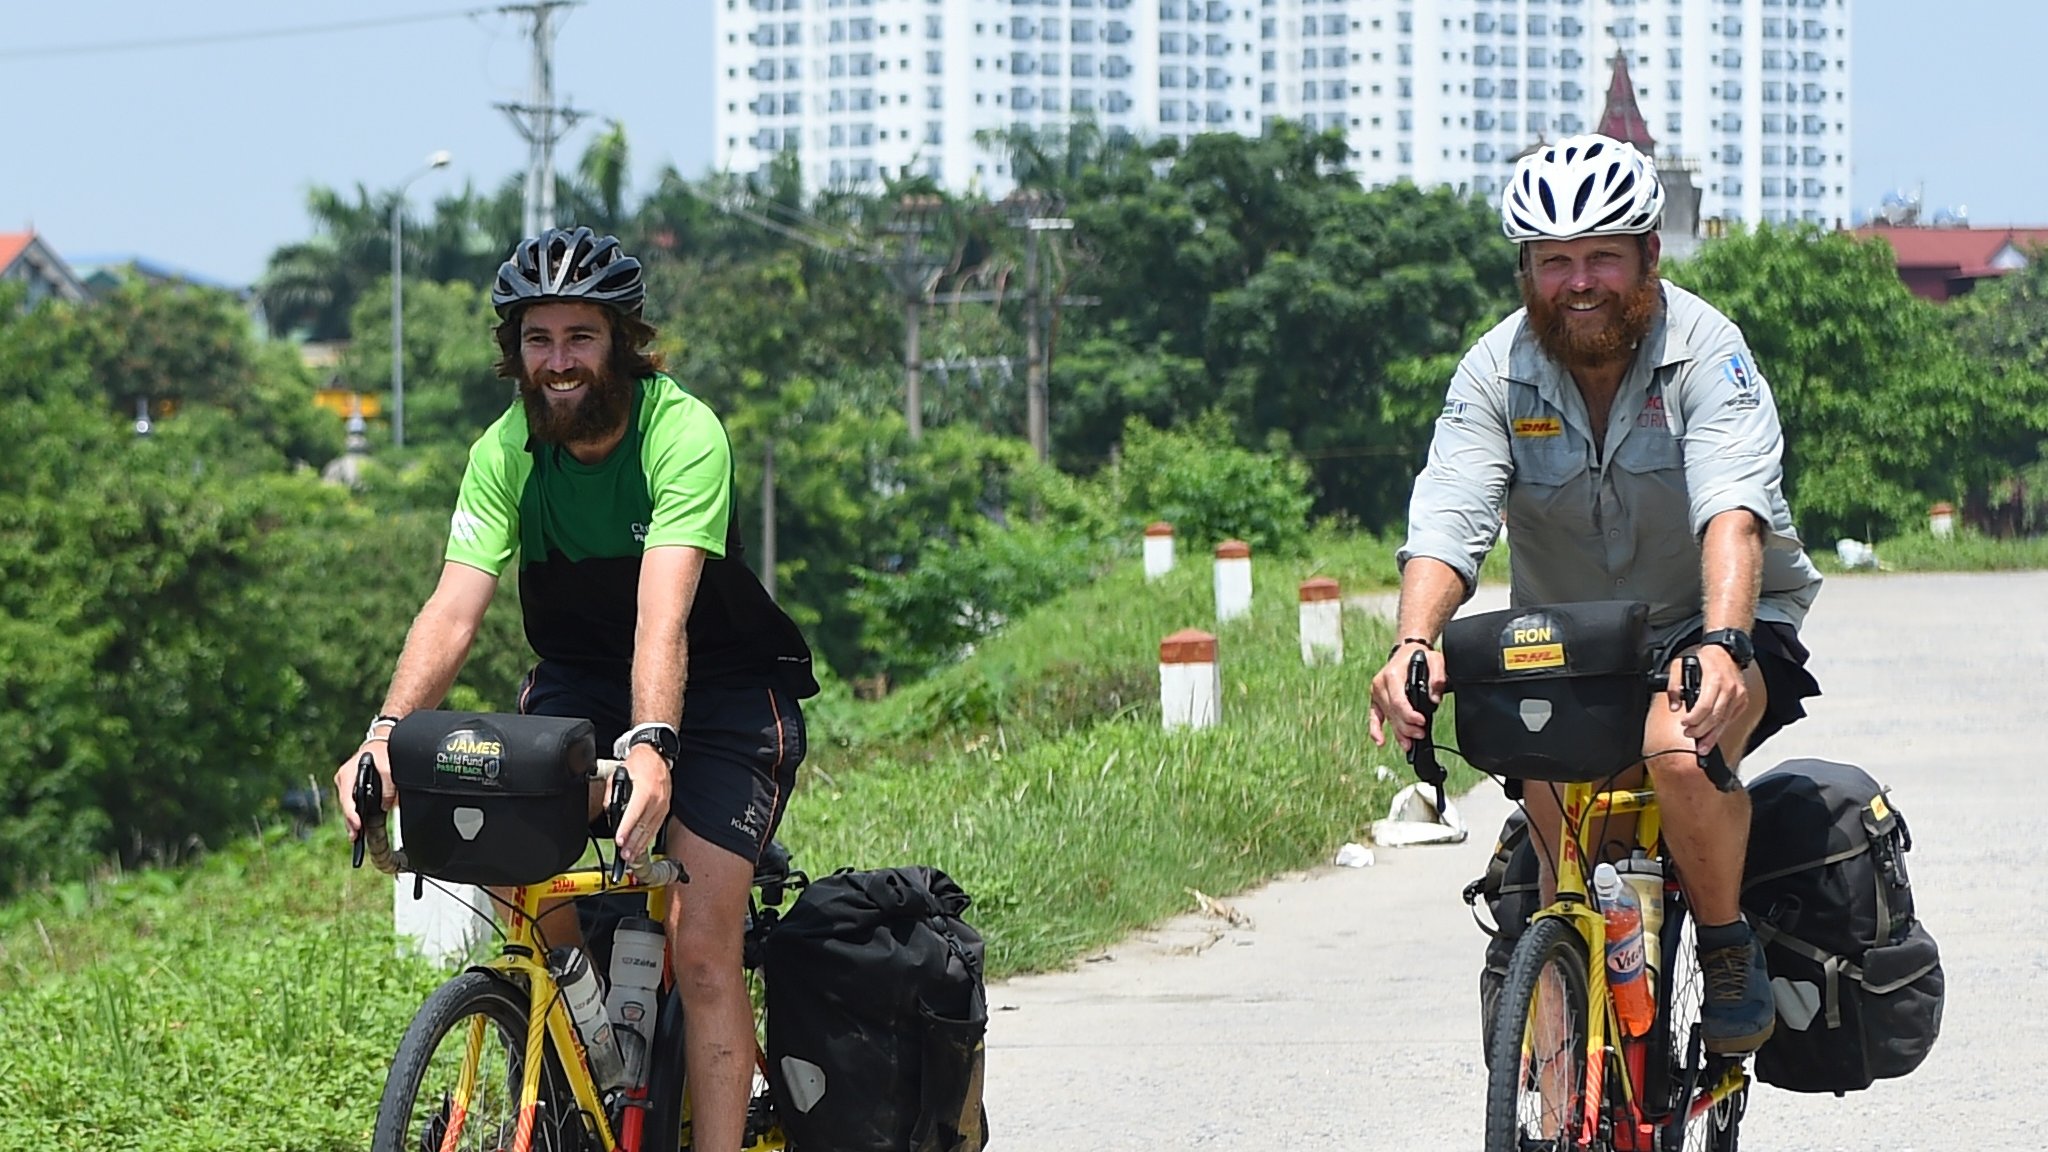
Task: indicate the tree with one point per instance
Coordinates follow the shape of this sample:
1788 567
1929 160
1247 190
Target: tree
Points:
1883 410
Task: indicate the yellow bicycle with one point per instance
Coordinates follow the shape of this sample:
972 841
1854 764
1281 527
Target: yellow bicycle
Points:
1563 1072
493 1060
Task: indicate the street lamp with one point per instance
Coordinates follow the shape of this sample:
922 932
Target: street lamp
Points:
437 160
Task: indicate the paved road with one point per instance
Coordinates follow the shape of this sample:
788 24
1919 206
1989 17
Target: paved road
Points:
1345 1015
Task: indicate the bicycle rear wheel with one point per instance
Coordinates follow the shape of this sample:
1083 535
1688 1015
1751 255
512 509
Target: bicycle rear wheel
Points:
1536 1092
1692 1070
455 1081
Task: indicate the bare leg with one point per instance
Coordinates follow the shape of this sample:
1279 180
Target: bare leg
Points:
705 924
1707 829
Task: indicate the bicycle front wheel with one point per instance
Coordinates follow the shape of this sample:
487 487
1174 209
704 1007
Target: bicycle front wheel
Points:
1536 1092
1692 1071
455 1082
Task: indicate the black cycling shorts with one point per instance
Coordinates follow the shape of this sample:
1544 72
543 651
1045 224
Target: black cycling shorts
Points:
741 748
1781 659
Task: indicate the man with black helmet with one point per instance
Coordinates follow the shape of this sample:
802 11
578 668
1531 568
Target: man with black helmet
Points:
613 487
1623 428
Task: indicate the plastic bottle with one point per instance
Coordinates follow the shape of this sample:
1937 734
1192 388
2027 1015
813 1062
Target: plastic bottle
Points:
1627 976
637 957
1645 877
584 998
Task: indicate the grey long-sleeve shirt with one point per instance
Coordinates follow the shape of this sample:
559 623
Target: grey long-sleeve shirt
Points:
1693 432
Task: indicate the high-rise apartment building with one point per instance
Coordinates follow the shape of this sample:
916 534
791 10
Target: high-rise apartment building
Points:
1754 93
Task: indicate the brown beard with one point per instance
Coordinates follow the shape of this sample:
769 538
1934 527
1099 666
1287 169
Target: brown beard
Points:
599 412
1618 339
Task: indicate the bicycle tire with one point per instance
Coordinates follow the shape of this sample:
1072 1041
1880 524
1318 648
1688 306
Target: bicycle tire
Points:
1546 977
502 1007
1684 992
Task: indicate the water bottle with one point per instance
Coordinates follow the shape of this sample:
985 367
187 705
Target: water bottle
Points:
584 998
637 955
1645 877
1627 976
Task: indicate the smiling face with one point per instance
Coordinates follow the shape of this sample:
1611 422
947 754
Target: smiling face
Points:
570 393
1592 299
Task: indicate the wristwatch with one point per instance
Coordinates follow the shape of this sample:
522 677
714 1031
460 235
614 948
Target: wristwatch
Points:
662 738
1736 641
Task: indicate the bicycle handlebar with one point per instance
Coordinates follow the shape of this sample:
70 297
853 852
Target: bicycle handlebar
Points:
374 837
1422 753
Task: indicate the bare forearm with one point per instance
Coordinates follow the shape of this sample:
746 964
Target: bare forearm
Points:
1731 570
661 665
434 652
1431 591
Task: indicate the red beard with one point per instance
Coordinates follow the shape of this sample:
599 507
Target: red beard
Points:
1575 348
597 412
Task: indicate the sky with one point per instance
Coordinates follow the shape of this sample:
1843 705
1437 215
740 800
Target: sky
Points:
200 155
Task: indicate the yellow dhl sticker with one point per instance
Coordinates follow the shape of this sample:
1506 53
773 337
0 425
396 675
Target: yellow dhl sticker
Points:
1879 808
1539 426
1532 656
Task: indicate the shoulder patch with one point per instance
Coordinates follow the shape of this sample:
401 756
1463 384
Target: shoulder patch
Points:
1454 411
1741 382
464 526
1539 426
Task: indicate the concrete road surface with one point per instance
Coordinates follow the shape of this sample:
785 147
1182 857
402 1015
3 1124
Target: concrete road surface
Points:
1342 1013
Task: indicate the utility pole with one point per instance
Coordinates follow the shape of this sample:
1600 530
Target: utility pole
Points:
911 275
1036 365
540 120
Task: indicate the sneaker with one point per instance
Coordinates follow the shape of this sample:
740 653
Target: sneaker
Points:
1739 1011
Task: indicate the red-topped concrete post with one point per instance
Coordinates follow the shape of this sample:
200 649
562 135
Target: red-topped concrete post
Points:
1190 691
1322 621
1233 579
1158 549
1941 520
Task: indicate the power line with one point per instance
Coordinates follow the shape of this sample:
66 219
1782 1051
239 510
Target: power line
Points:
53 51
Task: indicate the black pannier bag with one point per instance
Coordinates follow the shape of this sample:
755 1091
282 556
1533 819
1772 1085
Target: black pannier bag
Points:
1857 977
877 1014
1554 693
1510 889
492 798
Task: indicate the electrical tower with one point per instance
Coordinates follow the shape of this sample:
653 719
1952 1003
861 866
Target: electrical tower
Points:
540 120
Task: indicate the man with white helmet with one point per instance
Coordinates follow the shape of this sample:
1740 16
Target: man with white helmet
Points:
1623 428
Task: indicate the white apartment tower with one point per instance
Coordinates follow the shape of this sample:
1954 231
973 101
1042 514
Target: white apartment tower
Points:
1753 93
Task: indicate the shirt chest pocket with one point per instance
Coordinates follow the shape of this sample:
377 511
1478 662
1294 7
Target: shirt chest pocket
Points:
1650 450
1553 461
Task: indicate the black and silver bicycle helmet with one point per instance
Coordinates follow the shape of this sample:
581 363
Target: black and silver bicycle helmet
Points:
569 264
1589 185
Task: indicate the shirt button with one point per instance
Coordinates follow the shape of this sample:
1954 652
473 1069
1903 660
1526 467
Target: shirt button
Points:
1613 533
1619 583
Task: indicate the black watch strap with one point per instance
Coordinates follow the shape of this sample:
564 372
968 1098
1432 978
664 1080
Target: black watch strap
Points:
1735 641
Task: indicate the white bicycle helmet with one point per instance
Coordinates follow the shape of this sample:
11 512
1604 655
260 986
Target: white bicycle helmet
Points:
1587 185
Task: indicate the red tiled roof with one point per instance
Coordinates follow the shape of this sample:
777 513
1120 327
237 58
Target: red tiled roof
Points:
1623 119
12 245
1968 250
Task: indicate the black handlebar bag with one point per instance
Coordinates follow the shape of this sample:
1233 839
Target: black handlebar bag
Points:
1558 692
492 798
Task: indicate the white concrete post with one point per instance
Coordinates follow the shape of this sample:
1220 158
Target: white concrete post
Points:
1322 621
1158 549
1941 520
1190 691
445 925
1233 579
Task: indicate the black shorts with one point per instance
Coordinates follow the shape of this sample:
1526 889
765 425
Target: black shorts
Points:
1781 659
741 748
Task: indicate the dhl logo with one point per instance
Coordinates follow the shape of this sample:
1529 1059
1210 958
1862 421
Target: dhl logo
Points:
1532 656
1539 426
563 884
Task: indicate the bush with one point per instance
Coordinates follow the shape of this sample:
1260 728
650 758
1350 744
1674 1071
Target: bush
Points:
1197 478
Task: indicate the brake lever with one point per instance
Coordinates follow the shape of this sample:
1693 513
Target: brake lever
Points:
1422 753
371 814
615 814
1713 763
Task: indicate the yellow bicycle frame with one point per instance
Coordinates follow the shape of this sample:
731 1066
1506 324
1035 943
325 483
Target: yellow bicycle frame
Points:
1583 805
